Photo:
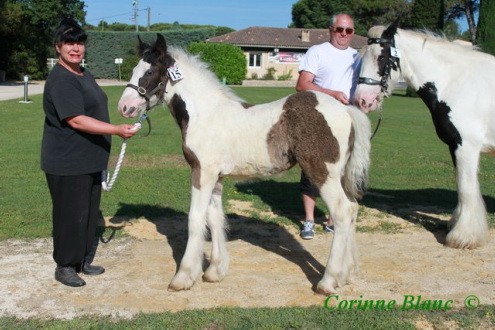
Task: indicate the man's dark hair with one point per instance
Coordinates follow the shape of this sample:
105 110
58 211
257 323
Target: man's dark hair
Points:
69 31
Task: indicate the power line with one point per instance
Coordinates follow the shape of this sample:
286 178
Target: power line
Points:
117 15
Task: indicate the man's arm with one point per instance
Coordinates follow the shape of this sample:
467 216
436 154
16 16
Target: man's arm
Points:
305 83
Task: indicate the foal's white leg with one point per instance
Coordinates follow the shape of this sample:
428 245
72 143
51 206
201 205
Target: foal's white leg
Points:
343 260
192 262
469 227
219 263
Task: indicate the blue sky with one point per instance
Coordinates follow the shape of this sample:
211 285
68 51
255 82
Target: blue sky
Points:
236 14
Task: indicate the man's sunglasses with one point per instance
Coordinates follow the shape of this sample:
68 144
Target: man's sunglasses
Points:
340 29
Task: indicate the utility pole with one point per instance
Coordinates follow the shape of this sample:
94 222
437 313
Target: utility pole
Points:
136 14
149 18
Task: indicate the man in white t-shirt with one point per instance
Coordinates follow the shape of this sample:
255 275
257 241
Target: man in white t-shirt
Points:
330 68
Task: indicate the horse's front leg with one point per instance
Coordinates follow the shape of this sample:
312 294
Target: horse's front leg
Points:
192 262
468 226
343 259
219 263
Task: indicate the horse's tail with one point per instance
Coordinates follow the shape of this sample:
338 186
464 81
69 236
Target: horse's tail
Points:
356 171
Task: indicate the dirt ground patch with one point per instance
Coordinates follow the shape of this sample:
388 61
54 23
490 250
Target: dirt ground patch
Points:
270 267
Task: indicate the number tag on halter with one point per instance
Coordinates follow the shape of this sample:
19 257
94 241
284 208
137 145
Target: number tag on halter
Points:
395 52
175 73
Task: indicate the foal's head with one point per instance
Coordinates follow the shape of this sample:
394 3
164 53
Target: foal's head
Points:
380 65
149 78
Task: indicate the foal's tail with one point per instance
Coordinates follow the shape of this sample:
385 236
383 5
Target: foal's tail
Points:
356 170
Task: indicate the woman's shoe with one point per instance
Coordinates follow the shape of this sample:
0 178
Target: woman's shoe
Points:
68 276
89 269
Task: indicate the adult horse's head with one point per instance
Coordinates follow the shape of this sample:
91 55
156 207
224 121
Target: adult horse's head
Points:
149 78
380 66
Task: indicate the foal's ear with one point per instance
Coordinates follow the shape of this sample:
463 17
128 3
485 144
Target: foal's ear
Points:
142 46
161 44
390 32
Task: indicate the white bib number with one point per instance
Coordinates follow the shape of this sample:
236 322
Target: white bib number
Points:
175 73
395 52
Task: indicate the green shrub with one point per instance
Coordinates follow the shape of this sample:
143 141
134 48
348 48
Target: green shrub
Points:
285 76
128 63
226 60
104 47
270 74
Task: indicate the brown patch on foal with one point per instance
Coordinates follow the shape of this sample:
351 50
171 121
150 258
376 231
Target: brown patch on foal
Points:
178 110
302 135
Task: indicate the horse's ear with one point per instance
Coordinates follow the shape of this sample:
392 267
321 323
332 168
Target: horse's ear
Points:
390 32
161 44
141 46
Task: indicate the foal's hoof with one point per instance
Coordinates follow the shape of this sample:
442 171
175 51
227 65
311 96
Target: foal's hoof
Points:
326 288
213 275
180 282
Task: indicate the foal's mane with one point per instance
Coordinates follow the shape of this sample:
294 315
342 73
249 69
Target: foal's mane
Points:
202 71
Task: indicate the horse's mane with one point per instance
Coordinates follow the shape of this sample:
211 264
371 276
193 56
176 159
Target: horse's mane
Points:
203 70
376 32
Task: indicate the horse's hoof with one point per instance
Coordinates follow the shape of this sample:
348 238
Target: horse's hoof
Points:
212 275
467 237
458 243
325 289
179 283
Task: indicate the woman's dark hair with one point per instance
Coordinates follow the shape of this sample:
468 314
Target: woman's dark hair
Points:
69 31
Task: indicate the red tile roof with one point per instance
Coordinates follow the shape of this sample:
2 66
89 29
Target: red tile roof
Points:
281 38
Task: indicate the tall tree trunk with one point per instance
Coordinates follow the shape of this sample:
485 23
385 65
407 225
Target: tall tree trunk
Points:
469 5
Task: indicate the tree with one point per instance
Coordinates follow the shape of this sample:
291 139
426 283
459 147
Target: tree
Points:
486 26
464 8
26 33
367 13
316 14
428 14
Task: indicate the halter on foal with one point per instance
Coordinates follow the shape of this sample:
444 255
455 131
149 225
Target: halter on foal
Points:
461 107
222 137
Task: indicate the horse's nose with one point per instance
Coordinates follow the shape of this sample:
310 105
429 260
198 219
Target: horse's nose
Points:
130 111
362 105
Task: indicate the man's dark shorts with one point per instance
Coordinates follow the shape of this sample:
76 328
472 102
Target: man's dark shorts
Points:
307 187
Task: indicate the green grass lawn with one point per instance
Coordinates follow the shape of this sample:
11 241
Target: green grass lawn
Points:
410 167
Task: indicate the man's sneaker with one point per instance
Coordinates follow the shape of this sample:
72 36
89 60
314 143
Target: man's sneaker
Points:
308 230
329 229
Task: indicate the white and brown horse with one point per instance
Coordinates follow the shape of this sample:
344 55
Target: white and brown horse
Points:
223 136
457 84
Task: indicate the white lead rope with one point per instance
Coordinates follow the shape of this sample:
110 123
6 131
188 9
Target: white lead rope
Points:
106 182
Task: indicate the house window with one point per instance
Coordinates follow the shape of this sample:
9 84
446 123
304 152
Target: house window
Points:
255 60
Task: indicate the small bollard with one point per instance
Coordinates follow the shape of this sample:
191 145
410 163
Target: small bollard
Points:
26 80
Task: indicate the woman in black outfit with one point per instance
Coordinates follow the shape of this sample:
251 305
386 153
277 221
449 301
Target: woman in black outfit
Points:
75 150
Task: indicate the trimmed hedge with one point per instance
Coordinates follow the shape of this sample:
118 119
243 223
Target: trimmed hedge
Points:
102 48
226 60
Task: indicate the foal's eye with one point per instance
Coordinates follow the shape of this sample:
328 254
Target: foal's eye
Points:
149 72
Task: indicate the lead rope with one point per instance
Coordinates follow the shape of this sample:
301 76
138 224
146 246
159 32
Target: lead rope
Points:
377 124
106 181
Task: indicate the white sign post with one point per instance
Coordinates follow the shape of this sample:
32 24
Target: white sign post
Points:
119 62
